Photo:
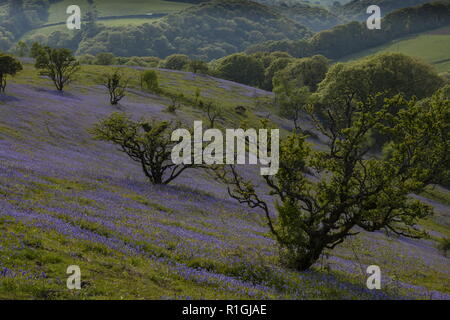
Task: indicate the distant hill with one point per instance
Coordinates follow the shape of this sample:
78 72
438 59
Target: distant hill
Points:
353 37
431 46
205 31
316 18
356 9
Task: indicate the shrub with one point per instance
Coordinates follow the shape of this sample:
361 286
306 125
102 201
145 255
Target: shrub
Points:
105 59
8 66
146 142
58 64
116 86
149 80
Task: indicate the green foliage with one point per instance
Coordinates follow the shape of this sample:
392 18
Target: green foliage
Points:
148 62
213 112
197 66
313 17
208 31
356 10
353 37
21 49
292 102
241 68
307 72
105 59
8 66
58 64
22 16
86 59
116 86
175 62
149 80
148 143
388 74
352 188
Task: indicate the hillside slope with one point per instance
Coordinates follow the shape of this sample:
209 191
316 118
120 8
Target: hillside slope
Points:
354 37
205 31
356 9
431 46
66 199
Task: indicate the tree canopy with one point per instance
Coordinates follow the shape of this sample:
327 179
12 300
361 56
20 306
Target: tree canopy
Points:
8 66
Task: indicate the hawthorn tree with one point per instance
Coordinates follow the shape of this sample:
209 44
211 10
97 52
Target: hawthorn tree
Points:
213 112
197 66
351 187
116 86
292 101
148 143
149 80
8 66
58 64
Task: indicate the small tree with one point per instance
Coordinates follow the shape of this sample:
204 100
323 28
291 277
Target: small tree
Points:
36 50
175 102
105 59
351 188
292 102
116 86
148 143
58 64
213 113
8 66
149 80
21 49
197 66
175 62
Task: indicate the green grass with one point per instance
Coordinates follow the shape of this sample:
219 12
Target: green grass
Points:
57 11
126 21
438 194
46 31
433 47
106 274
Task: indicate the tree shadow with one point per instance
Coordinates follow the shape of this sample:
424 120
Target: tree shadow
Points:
63 94
7 98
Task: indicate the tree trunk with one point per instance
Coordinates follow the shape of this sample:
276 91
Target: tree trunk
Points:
305 262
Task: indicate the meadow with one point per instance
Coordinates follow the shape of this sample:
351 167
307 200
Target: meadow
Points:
432 47
57 11
67 199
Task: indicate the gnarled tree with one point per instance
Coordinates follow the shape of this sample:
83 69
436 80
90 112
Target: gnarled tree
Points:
116 86
58 64
351 187
8 66
148 143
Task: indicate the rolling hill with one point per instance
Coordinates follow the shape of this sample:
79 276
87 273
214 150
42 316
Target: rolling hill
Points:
431 46
67 199
206 31
356 9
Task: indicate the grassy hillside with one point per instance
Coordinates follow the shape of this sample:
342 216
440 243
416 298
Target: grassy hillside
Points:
356 9
316 18
66 199
207 31
433 47
354 37
57 11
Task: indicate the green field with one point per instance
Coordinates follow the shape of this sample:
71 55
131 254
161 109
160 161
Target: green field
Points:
433 47
57 11
46 31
